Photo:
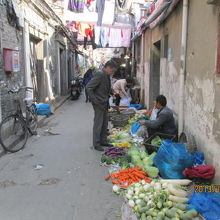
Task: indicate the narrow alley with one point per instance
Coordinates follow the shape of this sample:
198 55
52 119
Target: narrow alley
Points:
70 185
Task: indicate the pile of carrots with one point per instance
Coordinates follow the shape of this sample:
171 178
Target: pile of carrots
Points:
125 178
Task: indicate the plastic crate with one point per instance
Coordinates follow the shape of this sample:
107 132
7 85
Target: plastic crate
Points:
152 148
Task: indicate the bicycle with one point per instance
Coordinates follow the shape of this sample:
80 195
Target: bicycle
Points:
15 128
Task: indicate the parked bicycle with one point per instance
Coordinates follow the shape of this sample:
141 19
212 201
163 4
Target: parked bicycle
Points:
15 128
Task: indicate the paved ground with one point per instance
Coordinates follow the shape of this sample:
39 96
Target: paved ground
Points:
70 186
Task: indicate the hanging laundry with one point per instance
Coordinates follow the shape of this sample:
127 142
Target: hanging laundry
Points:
123 6
100 7
85 29
109 12
97 35
104 36
115 37
76 6
126 37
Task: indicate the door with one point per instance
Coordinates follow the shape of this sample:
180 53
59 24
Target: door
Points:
154 72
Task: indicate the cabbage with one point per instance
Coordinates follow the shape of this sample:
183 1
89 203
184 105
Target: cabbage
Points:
143 154
149 160
151 171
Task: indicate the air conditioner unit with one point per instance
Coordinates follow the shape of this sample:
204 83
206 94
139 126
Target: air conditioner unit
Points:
213 2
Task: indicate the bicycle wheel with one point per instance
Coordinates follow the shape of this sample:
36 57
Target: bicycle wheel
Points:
33 120
13 133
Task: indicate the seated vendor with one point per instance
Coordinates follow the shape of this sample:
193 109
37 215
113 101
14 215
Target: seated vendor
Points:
164 122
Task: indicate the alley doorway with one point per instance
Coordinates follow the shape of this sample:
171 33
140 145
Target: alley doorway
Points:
154 90
36 66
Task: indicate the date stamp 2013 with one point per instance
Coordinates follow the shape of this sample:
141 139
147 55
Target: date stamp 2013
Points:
207 189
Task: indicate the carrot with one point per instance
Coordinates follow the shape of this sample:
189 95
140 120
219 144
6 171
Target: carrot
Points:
107 177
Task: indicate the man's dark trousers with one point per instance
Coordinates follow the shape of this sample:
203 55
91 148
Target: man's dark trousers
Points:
100 124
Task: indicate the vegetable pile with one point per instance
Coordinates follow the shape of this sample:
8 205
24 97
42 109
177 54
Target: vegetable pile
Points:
155 200
114 152
143 160
126 177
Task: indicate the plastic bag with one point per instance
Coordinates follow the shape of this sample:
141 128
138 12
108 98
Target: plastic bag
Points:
125 101
154 114
207 204
198 159
43 109
172 159
137 106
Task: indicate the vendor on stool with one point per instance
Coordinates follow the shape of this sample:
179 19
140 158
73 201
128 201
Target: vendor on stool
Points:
164 122
121 89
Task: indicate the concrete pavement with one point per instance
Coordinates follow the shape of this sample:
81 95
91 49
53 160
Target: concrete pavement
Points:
70 185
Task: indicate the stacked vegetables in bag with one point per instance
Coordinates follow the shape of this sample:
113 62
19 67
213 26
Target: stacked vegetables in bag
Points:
156 201
139 157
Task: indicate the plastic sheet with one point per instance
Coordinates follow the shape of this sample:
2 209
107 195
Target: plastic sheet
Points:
207 204
172 159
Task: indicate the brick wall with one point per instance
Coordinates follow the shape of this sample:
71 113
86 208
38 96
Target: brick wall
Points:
11 38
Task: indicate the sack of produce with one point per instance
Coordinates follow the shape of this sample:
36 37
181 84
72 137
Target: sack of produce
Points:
172 159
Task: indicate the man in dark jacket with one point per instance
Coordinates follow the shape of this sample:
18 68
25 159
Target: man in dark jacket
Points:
164 122
99 89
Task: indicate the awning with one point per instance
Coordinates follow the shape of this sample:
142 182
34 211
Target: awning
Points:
163 8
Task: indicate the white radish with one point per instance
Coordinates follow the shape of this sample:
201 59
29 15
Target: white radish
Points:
182 182
176 191
177 199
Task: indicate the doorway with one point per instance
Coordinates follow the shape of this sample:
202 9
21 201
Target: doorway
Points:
154 88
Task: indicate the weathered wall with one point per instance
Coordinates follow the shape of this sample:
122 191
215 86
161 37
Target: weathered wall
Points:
202 86
10 38
201 96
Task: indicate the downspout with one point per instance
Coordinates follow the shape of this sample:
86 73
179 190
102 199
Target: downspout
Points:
183 66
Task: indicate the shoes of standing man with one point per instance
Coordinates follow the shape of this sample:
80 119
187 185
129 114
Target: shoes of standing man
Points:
99 148
107 145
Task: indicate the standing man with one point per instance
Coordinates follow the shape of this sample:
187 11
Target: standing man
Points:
99 89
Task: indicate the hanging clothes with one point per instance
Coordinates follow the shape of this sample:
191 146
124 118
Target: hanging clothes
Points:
123 6
100 7
85 29
104 36
126 37
115 37
97 35
76 6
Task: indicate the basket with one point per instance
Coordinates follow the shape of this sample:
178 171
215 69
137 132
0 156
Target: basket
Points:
152 148
112 114
120 120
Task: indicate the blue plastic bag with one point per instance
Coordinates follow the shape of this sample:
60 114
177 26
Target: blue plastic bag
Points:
172 159
43 109
137 106
198 159
207 204
134 128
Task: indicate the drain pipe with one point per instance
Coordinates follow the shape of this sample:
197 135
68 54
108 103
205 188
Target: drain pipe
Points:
183 66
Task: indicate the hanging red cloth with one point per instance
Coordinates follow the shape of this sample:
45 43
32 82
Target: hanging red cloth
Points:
85 29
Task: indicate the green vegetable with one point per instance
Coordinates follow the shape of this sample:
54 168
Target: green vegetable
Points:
143 154
181 206
149 218
143 216
157 141
151 171
107 160
143 209
149 160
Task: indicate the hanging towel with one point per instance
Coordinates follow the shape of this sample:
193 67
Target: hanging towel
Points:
115 37
126 39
